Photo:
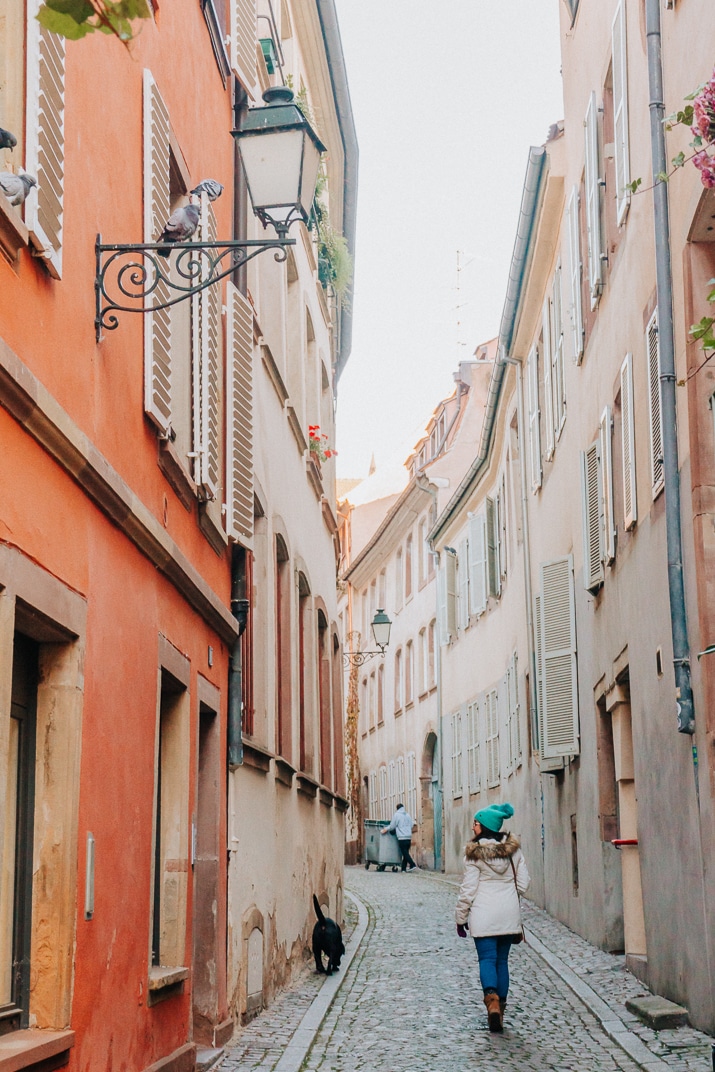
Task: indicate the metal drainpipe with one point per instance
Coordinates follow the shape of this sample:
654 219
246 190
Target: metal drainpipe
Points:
664 286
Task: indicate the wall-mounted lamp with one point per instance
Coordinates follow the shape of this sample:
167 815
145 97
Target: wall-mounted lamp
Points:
381 626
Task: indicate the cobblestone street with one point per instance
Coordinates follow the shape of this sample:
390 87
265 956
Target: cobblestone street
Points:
410 1000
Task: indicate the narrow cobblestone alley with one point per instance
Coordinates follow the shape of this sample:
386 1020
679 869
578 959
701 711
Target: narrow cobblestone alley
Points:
410 1000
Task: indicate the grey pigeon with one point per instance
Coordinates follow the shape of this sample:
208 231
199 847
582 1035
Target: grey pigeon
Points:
7 140
179 227
16 187
210 187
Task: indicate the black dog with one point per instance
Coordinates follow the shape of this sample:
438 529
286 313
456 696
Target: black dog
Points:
328 939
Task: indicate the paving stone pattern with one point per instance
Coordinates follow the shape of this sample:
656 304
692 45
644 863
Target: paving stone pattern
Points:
411 1001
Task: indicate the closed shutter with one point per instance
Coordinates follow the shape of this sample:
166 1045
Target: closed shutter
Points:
442 604
239 423
593 200
557 354
207 368
559 668
473 746
491 704
493 569
463 575
609 528
534 419
243 43
592 518
45 139
450 576
620 110
477 564
157 325
548 389
655 407
514 709
456 754
628 448
537 726
574 242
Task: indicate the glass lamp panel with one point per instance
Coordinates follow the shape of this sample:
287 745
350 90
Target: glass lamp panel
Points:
272 163
381 629
311 166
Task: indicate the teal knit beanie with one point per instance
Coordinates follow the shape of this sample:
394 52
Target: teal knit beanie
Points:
493 816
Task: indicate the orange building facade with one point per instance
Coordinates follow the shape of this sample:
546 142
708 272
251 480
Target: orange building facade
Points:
120 534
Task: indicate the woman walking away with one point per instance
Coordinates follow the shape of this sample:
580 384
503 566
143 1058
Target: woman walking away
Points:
495 875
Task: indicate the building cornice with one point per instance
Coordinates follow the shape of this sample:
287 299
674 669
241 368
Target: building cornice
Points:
395 524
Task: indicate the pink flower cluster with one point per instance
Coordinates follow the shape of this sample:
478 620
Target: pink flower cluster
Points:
704 131
317 441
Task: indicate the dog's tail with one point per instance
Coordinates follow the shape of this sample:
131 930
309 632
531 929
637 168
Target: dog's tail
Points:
318 910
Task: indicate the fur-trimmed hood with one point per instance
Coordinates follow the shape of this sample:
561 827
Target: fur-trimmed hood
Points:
488 850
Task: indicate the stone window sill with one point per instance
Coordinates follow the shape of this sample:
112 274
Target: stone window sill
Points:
284 772
33 1048
254 755
165 983
307 786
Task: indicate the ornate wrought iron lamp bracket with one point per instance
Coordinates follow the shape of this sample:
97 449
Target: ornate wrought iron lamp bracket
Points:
359 658
137 278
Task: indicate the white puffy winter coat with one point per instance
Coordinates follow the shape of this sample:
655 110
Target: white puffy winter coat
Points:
488 899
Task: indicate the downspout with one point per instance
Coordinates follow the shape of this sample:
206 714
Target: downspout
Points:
666 350
425 483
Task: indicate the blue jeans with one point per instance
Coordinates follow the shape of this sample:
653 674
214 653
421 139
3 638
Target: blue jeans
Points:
493 956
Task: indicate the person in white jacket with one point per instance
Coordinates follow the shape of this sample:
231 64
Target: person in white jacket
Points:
401 826
495 876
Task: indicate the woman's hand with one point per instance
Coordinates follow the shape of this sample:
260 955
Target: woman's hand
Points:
461 930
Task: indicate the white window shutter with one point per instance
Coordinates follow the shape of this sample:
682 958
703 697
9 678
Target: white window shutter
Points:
534 419
655 407
592 518
559 672
450 576
477 564
574 243
628 448
620 110
514 710
473 746
244 41
492 719
45 138
609 528
557 353
239 422
538 723
548 389
207 370
157 325
444 636
593 200
457 754
463 575
492 527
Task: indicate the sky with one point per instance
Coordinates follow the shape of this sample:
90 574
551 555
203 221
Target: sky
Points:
447 97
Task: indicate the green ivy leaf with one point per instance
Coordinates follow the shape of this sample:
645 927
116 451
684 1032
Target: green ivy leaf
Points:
711 296
662 176
703 329
64 25
678 160
131 9
632 187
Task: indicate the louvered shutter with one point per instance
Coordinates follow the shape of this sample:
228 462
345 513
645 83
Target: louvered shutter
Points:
592 518
477 564
557 353
609 528
243 43
538 722
628 449
534 419
593 200
473 746
620 110
463 575
450 576
457 754
559 680
655 408
514 712
574 243
157 325
207 369
492 709
239 423
548 389
444 636
492 526
45 138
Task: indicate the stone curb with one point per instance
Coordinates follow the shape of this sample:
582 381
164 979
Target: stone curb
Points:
616 1029
304 1035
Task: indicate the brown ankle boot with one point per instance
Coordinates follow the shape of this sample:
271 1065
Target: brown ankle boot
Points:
493 1012
502 1008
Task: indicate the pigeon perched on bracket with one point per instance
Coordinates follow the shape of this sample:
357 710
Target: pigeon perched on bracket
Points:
179 227
16 187
7 140
210 187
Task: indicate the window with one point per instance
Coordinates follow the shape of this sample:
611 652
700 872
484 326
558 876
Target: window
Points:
532 374
305 679
593 518
456 754
422 662
431 646
371 686
423 551
398 680
473 759
399 579
283 650
447 596
477 563
628 446
491 718
408 567
380 695
323 669
557 355
655 406
411 785
409 673
463 584
365 705
573 228
372 795
493 548
559 722
609 528
400 781
620 111
545 351
391 788
381 589
513 714
245 558
384 814
592 178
